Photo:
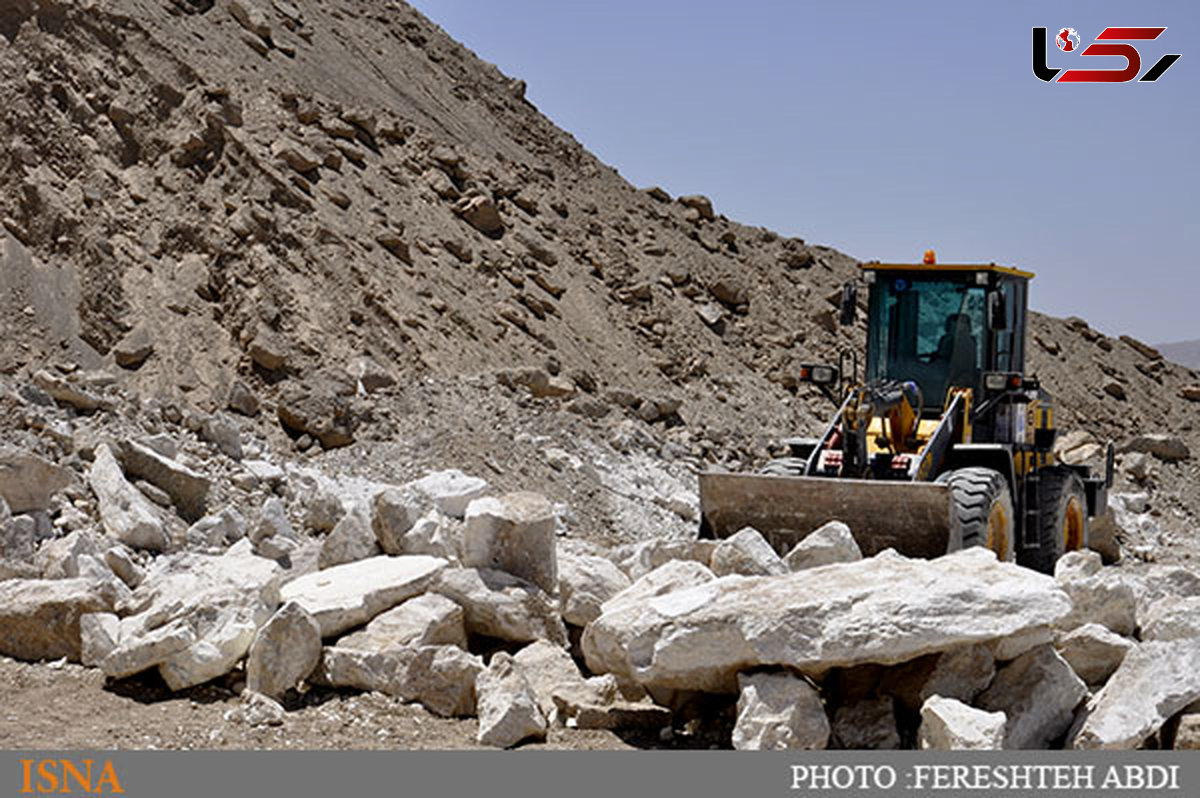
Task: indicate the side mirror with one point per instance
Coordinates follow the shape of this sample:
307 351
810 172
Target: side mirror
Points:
1109 462
997 312
849 304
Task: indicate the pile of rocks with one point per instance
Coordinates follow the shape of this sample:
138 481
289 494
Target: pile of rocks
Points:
442 592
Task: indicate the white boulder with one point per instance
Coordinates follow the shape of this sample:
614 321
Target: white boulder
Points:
884 610
513 533
349 595
831 543
748 553
779 711
508 710
948 724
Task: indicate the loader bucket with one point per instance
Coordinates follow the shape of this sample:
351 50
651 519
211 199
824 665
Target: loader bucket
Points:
911 517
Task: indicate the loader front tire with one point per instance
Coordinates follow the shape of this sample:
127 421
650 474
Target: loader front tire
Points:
1062 518
785 467
981 511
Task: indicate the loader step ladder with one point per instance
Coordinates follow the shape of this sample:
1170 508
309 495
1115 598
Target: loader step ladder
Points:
1029 533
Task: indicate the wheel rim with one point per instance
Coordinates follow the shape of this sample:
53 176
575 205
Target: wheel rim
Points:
997 530
1072 528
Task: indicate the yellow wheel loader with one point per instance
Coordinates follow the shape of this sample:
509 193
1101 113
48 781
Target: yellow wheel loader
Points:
945 444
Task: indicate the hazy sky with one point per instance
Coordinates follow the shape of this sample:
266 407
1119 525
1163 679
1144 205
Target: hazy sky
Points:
886 128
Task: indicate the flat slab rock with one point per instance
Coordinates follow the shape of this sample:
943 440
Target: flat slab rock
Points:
349 595
886 610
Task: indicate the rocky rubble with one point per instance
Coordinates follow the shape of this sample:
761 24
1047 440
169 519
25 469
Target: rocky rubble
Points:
515 626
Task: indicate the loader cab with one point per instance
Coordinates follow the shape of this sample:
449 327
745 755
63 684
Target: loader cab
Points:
944 326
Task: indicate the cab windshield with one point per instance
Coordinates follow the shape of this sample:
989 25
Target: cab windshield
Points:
930 331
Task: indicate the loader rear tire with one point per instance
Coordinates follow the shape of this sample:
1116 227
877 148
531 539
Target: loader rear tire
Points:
981 510
1062 518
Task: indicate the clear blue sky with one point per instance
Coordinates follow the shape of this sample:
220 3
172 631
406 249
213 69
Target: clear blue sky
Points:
885 128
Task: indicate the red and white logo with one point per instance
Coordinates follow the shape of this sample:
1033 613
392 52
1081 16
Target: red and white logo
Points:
1111 42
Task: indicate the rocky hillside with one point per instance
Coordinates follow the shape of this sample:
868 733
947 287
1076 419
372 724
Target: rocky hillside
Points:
263 262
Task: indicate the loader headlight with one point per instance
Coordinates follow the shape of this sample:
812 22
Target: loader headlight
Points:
818 375
995 382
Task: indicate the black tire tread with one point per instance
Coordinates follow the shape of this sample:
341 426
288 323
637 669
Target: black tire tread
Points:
785 467
1054 491
973 491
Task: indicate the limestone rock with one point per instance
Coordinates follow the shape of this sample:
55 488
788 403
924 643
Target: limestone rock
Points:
125 513
442 678
394 512
886 610
598 703
323 509
27 482
257 710
436 535
1155 681
480 212
667 578
1169 448
349 595
304 160
224 434
747 553
831 543
584 584
284 652
779 711
214 604
1038 693
948 724
39 619
868 724
1187 736
187 489
265 473
1096 595
61 558
251 18
321 408
222 638
514 533
699 203
66 392
272 522
548 667
217 531
642 558
18 537
500 605
132 350
1093 651
351 540
99 634
119 560
1172 618
428 620
451 491
242 399
508 709
137 653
